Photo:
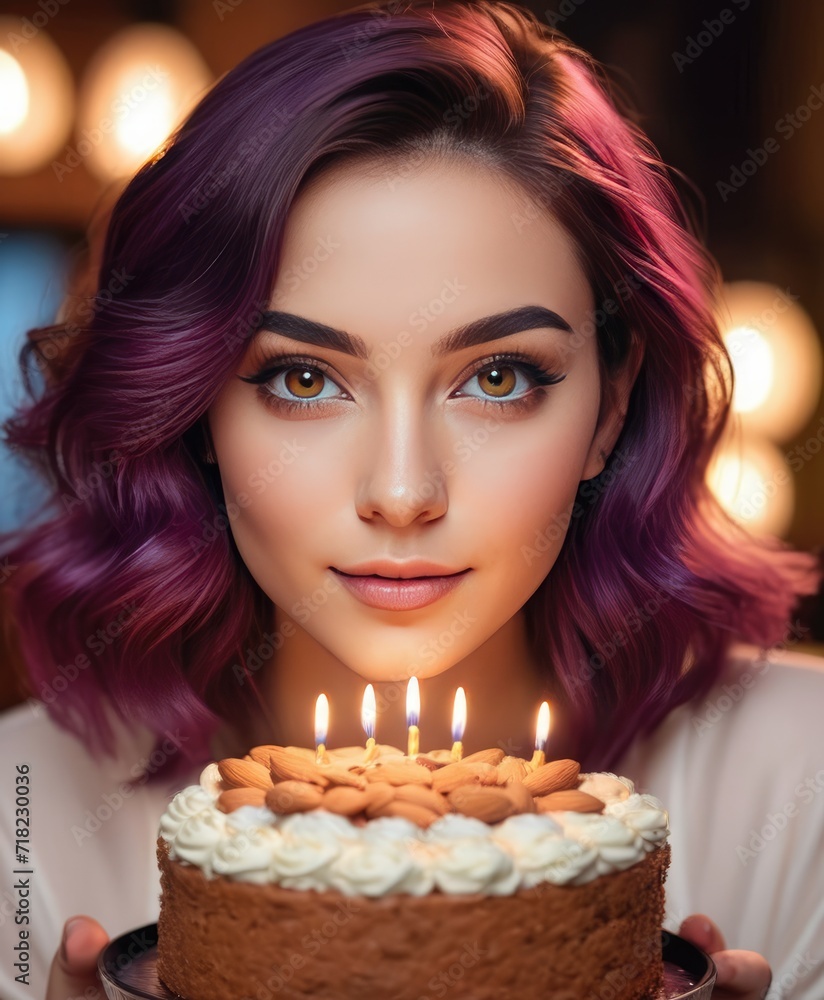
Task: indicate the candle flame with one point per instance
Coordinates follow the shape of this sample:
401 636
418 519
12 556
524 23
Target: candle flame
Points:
459 716
368 711
542 729
321 719
413 702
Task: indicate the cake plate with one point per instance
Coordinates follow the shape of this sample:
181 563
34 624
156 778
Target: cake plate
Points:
128 968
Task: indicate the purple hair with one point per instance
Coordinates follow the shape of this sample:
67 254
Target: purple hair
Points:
117 593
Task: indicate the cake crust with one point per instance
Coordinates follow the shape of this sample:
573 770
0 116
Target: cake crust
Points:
224 939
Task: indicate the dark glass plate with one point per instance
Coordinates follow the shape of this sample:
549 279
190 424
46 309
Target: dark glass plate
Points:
128 968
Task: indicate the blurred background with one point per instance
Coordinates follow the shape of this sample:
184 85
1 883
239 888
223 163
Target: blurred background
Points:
732 94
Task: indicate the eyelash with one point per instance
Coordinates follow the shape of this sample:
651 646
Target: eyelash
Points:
275 364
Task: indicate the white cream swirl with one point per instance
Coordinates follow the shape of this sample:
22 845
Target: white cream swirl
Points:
191 800
646 815
319 850
198 837
471 864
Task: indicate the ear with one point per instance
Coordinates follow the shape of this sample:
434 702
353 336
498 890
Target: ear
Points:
615 393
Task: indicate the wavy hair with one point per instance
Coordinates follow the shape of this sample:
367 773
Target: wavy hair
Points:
115 591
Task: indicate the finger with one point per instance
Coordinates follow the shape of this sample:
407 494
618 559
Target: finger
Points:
74 967
741 974
703 933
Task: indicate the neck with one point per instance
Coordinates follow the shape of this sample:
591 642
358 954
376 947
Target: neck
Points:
503 684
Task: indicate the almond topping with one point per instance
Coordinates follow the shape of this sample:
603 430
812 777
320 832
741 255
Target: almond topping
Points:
571 800
521 797
400 774
234 798
511 769
407 810
293 797
285 765
237 773
340 776
463 773
380 793
490 805
493 755
345 801
426 797
261 753
554 776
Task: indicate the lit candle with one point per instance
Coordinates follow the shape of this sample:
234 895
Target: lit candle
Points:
541 736
458 723
321 728
413 713
368 714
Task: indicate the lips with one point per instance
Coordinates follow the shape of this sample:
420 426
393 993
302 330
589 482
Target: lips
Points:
391 570
399 593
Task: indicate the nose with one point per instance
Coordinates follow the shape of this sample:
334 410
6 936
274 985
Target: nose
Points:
402 480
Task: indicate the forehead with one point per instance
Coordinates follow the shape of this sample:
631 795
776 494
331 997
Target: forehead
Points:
387 247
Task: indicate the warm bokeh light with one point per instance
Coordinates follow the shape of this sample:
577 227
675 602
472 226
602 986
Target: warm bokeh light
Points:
754 367
138 88
754 483
776 356
36 100
15 93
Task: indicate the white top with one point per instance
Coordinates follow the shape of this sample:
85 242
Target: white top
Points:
741 774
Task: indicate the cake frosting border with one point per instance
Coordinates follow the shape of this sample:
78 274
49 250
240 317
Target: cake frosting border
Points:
319 850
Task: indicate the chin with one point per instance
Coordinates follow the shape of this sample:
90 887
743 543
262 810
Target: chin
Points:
382 670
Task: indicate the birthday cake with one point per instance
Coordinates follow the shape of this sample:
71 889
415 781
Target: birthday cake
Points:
406 878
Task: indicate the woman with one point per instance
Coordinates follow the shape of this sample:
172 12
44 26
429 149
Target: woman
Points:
406 296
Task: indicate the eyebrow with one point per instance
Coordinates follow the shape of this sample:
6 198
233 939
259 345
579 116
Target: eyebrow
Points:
479 331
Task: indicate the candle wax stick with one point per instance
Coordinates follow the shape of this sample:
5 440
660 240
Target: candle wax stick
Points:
457 750
538 759
320 754
371 750
413 742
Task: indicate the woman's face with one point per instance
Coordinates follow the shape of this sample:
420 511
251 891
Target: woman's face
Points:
409 450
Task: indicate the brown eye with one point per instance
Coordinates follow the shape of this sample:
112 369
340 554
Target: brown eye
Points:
500 380
303 382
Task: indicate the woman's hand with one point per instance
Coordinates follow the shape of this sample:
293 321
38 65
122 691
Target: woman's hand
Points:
742 975
74 967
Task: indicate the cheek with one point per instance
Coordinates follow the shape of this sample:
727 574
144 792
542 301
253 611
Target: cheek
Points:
294 479
520 484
